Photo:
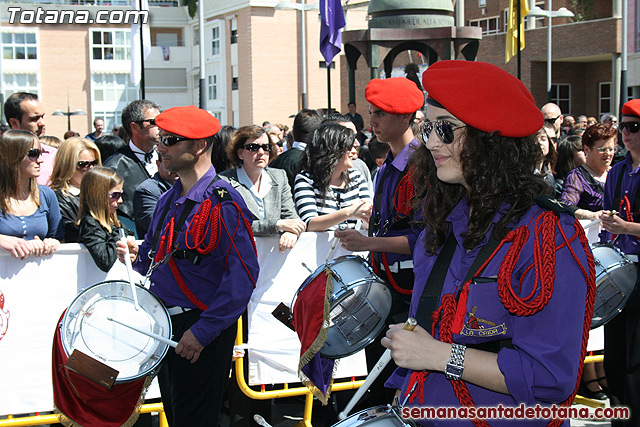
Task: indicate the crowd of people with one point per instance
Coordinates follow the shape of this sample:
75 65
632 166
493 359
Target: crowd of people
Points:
458 210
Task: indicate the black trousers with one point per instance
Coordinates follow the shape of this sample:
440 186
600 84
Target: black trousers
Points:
192 392
622 360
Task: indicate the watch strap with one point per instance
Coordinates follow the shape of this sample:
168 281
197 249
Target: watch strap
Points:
455 366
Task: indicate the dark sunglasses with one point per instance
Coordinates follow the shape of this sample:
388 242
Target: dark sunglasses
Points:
255 147
34 153
85 164
152 122
169 140
444 130
552 119
632 127
115 195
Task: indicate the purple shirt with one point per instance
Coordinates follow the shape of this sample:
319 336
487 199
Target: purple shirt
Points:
221 280
630 179
543 364
582 190
388 177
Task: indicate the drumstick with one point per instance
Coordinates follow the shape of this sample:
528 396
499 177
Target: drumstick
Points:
127 262
261 421
334 244
409 325
149 334
598 221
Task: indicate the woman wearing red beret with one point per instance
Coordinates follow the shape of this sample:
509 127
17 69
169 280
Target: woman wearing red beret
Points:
512 282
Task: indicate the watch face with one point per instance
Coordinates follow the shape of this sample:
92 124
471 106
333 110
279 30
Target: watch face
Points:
453 372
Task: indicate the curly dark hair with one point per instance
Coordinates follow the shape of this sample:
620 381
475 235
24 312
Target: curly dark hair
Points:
598 132
497 169
329 144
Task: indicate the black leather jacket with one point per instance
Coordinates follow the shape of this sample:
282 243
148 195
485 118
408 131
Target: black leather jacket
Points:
133 172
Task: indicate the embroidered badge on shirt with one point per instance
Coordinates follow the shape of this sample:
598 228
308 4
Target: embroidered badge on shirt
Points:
475 326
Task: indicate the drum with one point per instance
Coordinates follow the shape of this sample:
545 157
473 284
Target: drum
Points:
359 305
616 277
380 416
86 327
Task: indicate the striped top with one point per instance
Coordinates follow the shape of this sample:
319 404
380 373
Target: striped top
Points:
311 203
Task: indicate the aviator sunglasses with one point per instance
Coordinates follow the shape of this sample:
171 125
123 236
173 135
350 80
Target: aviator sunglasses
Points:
34 153
115 195
444 130
255 147
632 127
86 164
170 140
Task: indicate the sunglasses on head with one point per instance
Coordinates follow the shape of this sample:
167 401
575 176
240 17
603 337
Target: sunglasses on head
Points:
444 130
632 127
170 140
255 147
85 164
34 153
115 195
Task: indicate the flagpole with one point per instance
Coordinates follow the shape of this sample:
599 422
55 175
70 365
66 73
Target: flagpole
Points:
142 89
328 87
518 44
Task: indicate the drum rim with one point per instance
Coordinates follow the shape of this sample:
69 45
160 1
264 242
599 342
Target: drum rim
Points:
147 372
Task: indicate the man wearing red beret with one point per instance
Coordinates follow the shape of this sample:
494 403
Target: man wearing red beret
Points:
393 103
622 194
202 262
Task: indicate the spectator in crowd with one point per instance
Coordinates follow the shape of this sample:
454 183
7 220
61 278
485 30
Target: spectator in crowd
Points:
553 115
70 134
123 135
265 190
610 119
147 194
277 145
74 159
378 151
546 138
25 111
584 186
355 117
328 192
100 194
583 120
115 130
29 213
98 125
291 161
51 141
567 126
570 156
591 121
136 161
109 145
219 156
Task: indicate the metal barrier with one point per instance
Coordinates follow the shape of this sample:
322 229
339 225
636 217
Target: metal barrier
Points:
38 420
285 391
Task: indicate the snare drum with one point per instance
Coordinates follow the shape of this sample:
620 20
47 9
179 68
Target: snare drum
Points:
380 416
616 278
86 327
359 305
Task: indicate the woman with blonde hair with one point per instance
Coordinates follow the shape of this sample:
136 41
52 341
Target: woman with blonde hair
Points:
29 213
100 196
75 157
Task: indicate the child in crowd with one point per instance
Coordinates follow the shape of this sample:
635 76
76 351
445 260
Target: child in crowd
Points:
100 196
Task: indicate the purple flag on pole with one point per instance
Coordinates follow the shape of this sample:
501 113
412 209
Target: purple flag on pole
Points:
331 21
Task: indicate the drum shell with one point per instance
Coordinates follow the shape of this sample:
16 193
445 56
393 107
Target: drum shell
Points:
359 305
616 279
378 416
85 327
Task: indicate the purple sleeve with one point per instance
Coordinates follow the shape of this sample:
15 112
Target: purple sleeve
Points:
572 188
543 363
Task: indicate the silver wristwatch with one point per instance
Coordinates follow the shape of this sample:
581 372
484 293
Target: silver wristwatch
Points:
454 368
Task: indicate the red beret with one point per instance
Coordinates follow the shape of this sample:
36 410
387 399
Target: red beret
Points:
190 122
395 95
483 96
631 108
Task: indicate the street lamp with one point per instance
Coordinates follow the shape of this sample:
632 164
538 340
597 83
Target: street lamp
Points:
69 113
563 12
302 7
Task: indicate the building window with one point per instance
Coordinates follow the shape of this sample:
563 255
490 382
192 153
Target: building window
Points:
215 41
110 45
213 87
561 95
234 36
19 46
488 25
113 88
12 83
196 36
604 101
234 83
